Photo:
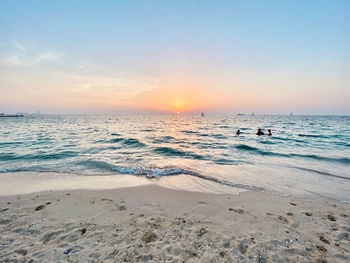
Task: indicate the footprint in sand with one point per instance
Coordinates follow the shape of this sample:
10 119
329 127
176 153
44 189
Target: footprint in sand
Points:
149 236
279 218
202 232
5 221
121 207
50 236
237 210
75 235
22 252
283 219
321 248
39 207
323 239
106 199
243 246
331 217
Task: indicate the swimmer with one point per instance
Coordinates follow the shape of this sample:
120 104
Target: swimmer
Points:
260 132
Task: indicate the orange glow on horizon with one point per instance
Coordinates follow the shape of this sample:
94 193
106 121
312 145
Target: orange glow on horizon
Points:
182 99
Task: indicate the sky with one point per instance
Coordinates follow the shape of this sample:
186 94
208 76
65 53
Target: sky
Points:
166 56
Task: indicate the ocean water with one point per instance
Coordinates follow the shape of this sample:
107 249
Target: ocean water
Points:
306 155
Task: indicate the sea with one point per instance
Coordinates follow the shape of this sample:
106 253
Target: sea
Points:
306 155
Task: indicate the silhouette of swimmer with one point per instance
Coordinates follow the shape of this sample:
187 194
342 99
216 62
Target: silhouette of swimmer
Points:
260 132
270 134
238 132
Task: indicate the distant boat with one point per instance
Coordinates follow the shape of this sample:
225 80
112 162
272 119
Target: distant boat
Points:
253 114
291 114
11 115
202 114
240 114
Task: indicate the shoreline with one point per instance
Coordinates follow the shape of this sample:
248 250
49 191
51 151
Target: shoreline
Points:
26 182
150 223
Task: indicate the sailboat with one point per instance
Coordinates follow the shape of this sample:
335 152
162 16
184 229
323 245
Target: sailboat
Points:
202 114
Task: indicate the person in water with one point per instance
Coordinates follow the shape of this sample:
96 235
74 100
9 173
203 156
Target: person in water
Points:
270 134
238 132
260 132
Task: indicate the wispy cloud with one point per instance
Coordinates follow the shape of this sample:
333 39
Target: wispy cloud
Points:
14 59
18 45
17 54
108 87
49 56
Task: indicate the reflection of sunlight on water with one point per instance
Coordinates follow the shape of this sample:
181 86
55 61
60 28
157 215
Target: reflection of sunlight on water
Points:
298 157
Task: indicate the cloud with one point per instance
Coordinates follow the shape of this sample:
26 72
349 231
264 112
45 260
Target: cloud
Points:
14 59
16 54
48 56
19 46
107 87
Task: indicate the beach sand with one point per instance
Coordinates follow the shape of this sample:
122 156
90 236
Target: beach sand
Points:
150 223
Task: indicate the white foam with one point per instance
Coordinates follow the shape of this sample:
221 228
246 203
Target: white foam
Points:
151 172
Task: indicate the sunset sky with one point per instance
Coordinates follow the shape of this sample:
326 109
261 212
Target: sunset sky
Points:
166 56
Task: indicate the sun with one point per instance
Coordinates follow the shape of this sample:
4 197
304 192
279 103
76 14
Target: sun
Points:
178 105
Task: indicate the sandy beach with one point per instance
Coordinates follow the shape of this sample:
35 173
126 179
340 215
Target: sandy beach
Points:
151 223
174 131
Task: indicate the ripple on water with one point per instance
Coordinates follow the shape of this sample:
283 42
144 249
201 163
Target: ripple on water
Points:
171 152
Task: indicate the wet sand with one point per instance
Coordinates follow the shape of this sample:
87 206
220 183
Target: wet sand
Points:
154 224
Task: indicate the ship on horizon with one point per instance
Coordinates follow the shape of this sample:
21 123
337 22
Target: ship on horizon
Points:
11 115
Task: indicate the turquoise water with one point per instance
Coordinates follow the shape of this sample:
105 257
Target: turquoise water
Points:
305 155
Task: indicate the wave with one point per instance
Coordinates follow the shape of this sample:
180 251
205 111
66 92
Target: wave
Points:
168 151
244 147
342 160
266 142
134 142
321 172
155 172
312 135
49 156
204 145
223 161
10 143
147 130
164 139
113 140
127 142
8 170
288 139
218 136
189 132
151 172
